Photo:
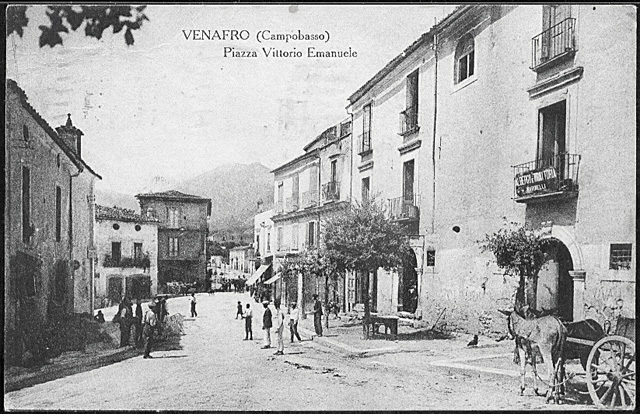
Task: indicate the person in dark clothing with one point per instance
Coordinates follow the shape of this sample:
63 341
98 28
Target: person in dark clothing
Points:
248 319
266 325
125 319
138 323
192 299
150 325
317 315
239 310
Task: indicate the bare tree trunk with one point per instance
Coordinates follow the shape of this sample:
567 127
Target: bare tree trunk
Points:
366 325
326 300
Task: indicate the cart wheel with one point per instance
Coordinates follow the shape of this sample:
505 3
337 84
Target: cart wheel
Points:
612 365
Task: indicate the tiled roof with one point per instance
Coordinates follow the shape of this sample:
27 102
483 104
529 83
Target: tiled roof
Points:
121 214
172 194
79 162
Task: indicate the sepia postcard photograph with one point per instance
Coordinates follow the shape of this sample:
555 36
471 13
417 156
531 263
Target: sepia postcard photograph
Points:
320 207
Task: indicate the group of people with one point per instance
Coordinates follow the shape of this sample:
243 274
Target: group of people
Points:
277 322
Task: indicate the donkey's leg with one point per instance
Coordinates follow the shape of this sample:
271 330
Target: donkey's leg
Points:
548 362
523 368
534 367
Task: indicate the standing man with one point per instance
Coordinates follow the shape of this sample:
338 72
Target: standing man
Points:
279 329
266 325
294 318
239 310
150 325
125 318
248 319
317 315
192 299
138 322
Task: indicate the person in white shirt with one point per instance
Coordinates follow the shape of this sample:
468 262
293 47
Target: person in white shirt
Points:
279 327
150 321
294 318
248 319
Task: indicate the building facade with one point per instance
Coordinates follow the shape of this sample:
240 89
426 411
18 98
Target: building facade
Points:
127 255
307 190
240 260
505 114
49 245
182 235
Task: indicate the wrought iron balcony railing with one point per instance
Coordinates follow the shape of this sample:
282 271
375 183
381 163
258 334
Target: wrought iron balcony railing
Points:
409 121
309 198
331 191
364 143
546 177
292 203
553 44
404 208
127 262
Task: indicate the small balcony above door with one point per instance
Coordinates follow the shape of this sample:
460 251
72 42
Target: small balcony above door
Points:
331 191
405 208
553 177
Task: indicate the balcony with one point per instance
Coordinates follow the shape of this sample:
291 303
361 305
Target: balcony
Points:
553 45
127 262
331 191
409 121
404 208
309 198
546 178
292 203
364 143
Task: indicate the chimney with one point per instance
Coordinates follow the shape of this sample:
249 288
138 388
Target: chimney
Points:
71 136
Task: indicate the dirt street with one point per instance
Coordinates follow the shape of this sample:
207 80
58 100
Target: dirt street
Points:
213 368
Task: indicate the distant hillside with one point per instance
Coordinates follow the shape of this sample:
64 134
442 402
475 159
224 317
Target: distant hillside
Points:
234 190
109 199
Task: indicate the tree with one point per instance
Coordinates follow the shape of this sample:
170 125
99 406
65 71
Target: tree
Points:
363 238
96 18
521 253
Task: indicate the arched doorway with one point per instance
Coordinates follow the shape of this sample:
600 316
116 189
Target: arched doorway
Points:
555 285
408 285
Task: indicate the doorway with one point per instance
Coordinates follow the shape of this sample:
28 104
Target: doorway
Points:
555 285
408 285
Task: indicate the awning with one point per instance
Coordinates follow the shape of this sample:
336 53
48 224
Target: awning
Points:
273 279
254 277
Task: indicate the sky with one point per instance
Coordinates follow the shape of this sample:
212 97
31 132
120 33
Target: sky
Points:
170 108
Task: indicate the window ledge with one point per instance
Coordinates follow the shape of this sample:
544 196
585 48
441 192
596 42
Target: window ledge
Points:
464 83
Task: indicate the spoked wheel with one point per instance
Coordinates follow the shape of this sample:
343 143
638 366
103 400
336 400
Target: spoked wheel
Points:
612 365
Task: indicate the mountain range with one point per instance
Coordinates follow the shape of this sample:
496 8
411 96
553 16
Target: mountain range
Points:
234 190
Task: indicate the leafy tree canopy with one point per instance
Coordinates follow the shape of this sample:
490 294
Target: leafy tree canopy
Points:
362 237
96 18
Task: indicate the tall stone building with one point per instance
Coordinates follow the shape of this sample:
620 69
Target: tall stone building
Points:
48 227
182 235
507 113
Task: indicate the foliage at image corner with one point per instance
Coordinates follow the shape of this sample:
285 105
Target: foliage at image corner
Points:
95 18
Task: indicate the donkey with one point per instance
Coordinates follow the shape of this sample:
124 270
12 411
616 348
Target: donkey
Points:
548 335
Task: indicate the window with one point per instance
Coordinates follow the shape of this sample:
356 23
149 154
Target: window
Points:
174 248
620 256
151 212
58 213
280 234
407 187
280 207
345 128
311 234
116 226
465 59
26 205
334 171
25 133
138 227
365 141
551 137
431 258
410 114
116 252
294 237
268 242
366 188
137 251
174 217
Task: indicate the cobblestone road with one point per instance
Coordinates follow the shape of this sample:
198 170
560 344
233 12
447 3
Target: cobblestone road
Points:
214 369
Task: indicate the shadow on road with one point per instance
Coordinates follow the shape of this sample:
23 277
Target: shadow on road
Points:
426 334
